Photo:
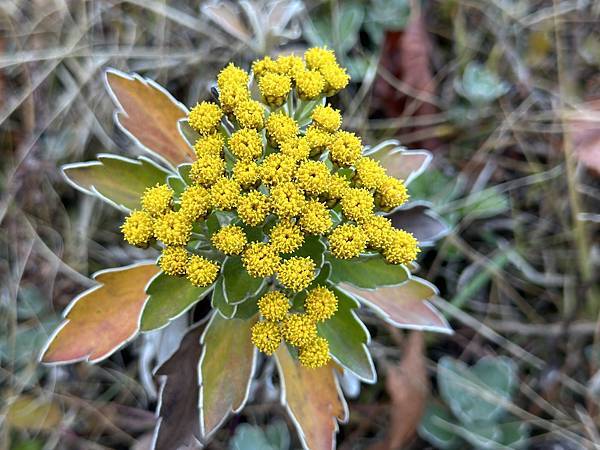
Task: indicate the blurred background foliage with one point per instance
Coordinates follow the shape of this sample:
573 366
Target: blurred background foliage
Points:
503 92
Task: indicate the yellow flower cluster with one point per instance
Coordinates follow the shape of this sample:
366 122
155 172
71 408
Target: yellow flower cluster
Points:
297 328
260 168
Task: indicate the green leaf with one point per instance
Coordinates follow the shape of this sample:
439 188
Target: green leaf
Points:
219 301
117 180
367 272
347 337
314 248
436 427
189 134
481 86
238 285
250 437
170 297
226 367
476 394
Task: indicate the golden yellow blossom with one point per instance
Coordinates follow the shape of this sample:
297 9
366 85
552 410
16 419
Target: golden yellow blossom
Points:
211 144
347 241
277 168
246 173
309 84
253 208
195 202
296 273
402 247
205 117
357 204
264 65
174 260
137 228
312 177
299 329
230 240
337 185
318 57
326 118
369 173
201 271
246 144
266 336
289 65
274 306
281 127
274 88
315 354
378 230
317 138
315 218
260 260
296 148
249 114
345 148
173 228
391 193
335 78
320 304
286 237
287 200
224 194
157 200
207 169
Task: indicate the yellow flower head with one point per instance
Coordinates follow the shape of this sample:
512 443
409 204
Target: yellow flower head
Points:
174 260
296 273
230 240
286 237
211 144
260 260
309 84
246 144
157 200
266 336
299 329
320 304
345 148
277 168
274 306
137 228
315 354
249 114
391 193
195 202
297 148
207 169
253 208
287 200
327 118
201 271
224 194
281 127
402 247
379 231
357 204
337 185
205 117
347 241
315 218
173 228
233 87
317 138
369 173
246 173
312 177
318 57
274 88
335 77
289 65
264 65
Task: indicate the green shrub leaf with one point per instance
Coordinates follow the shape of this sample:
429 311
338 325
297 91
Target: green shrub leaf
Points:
367 272
117 180
219 301
238 285
170 297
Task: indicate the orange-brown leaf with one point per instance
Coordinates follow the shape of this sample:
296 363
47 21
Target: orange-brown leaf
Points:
313 400
103 318
149 115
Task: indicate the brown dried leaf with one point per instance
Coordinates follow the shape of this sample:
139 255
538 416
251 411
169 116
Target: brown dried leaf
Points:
313 400
179 417
149 114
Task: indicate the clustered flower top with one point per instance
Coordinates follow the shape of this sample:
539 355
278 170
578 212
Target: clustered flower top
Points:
281 163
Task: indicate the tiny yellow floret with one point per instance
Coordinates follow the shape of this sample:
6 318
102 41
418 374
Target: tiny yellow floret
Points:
157 200
281 127
286 237
253 208
337 186
287 199
211 144
312 177
320 304
249 114
370 173
230 240
195 202
299 329
391 193
260 260
290 65
402 247
327 118
317 138
378 229
224 194
315 354
264 65
202 272
205 117
318 57
137 228
277 168
274 88
266 336
347 241
246 173
297 148
246 144
207 169
345 148
296 273
173 228
309 84
315 218
174 260
274 306
335 78
357 204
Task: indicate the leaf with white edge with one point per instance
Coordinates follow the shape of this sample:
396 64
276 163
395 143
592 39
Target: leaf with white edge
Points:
226 368
423 222
103 318
404 306
178 416
219 301
367 271
477 393
314 248
169 298
117 180
399 162
313 400
348 338
238 285
149 115
189 134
